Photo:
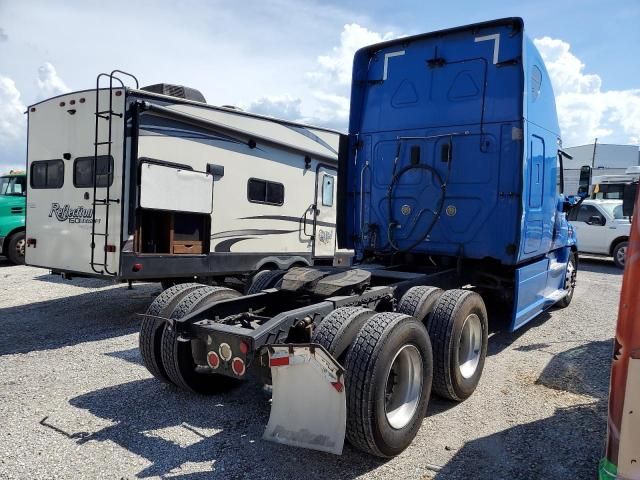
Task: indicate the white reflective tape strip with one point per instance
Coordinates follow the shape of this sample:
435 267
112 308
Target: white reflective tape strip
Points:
496 46
387 56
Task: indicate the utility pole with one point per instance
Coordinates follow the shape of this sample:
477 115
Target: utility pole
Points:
593 157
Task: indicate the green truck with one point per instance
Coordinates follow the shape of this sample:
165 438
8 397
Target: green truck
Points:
12 215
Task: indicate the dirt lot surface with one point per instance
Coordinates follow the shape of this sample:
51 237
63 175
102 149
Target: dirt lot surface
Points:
75 401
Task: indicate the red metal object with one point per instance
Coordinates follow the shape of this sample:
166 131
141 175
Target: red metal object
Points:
627 347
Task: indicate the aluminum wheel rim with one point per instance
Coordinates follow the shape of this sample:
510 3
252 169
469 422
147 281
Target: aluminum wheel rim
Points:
620 255
470 345
403 387
20 247
570 280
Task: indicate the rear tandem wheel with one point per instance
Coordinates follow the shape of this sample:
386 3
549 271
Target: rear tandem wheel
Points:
151 329
458 330
388 382
177 357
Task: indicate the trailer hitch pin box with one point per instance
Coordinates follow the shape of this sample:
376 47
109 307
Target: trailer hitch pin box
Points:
309 406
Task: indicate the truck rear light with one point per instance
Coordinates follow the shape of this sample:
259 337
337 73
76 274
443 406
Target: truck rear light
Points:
33 109
213 360
110 248
225 352
62 104
136 267
244 347
31 242
238 366
82 100
118 93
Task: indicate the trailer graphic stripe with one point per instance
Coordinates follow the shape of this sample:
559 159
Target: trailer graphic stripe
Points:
249 231
286 218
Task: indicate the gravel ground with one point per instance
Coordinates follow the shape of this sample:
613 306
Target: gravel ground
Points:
75 401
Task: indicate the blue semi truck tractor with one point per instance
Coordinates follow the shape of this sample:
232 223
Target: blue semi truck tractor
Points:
450 200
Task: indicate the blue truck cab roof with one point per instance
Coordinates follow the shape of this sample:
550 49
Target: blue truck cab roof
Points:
453 147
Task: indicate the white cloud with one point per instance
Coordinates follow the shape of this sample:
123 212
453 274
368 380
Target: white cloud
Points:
49 83
335 67
12 125
326 100
13 121
285 107
585 110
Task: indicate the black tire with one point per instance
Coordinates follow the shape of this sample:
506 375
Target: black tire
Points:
570 281
368 367
265 279
338 329
445 330
16 248
151 329
418 302
177 357
167 283
619 253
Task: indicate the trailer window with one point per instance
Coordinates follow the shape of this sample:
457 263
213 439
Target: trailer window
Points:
47 174
83 171
264 191
327 191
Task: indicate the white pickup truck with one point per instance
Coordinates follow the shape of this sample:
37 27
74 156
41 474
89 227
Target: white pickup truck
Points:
602 229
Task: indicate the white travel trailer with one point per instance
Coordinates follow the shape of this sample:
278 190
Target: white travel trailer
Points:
154 184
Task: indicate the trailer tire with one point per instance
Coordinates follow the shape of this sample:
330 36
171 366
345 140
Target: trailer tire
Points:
151 329
458 330
570 281
419 302
265 279
393 346
177 357
338 329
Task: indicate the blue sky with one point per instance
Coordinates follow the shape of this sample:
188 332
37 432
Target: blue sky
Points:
291 58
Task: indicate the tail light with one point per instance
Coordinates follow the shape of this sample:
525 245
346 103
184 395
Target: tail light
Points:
213 360
238 366
244 347
136 267
110 248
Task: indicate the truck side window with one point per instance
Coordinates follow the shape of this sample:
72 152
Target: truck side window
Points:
586 212
83 171
264 191
47 174
327 190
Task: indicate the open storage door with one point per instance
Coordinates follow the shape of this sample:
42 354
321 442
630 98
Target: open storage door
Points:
175 210
175 189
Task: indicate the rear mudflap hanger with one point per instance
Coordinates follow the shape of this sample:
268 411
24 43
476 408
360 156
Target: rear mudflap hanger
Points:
309 406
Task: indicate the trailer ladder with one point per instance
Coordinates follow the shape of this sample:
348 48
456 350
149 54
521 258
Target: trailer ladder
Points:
107 201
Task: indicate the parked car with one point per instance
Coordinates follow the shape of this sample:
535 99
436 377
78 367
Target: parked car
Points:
602 229
12 215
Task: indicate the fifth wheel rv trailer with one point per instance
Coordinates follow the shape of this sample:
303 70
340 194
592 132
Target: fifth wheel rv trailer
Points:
154 184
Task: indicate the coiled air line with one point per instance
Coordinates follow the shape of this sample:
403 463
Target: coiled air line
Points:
443 191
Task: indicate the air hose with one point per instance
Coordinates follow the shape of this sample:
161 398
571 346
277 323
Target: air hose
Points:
436 213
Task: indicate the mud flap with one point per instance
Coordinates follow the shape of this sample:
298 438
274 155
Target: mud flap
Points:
309 406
